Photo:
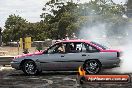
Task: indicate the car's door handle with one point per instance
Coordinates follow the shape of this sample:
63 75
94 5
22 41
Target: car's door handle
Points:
83 54
62 56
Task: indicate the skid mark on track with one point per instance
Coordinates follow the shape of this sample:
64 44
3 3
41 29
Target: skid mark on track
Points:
49 82
24 82
75 84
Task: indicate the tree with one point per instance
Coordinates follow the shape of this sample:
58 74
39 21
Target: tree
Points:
61 18
62 15
15 27
38 31
129 4
50 10
129 8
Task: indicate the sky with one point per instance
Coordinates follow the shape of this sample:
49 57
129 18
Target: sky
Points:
28 9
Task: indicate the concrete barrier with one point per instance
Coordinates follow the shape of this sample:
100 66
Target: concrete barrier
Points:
5 60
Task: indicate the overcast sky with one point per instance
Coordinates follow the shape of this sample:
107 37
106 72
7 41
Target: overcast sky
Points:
28 9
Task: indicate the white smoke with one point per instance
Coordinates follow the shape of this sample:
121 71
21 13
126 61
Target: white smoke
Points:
94 33
126 65
98 32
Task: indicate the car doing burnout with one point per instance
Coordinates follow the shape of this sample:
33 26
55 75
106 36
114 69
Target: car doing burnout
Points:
68 55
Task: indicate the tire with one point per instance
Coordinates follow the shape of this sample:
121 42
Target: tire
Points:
29 68
92 66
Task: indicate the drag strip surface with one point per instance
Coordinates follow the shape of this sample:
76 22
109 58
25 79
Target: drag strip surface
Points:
10 78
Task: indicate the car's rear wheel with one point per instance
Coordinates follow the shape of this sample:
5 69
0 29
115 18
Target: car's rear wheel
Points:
29 68
92 66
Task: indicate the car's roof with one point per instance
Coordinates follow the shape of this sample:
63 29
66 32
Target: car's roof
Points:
77 40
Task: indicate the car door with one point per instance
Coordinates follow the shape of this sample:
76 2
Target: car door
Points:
50 60
74 57
92 52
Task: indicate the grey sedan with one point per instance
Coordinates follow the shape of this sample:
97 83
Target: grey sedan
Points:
68 55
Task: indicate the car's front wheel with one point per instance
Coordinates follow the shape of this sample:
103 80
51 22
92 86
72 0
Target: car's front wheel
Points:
29 68
92 66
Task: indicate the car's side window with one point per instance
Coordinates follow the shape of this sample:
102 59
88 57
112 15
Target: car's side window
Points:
52 49
75 47
58 48
91 49
70 48
80 47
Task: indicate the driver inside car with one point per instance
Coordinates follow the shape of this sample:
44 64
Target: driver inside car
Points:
61 48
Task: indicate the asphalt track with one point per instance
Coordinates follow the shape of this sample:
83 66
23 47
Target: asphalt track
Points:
10 78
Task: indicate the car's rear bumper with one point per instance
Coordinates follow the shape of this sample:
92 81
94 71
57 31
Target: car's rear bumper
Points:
112 63
15 64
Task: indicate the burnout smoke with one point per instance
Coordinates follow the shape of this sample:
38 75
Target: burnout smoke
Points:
126 59
94 33
110 29
98 33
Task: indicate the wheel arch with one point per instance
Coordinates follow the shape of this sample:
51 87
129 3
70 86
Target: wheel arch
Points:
23 61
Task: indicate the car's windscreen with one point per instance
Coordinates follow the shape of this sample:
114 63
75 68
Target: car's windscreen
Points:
99 45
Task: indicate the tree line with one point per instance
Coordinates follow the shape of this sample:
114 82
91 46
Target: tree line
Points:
61 18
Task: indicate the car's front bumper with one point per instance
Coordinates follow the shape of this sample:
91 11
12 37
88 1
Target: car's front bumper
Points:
15 64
